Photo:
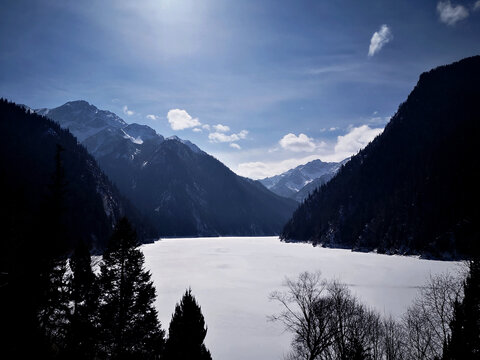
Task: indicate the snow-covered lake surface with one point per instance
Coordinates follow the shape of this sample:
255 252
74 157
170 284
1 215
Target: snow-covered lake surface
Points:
231 277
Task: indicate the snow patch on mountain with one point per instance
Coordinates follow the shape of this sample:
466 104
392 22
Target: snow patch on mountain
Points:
137 140
99 130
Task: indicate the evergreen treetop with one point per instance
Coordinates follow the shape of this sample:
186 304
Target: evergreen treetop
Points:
130 327
187 331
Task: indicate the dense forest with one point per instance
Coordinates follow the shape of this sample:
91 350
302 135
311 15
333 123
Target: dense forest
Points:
413 189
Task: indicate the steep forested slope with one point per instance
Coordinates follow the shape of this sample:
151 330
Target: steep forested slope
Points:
89 206
415 188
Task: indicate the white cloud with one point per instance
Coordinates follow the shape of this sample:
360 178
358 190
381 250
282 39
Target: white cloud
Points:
206 127
260 169
221 128
235 146
151 117
221 137
181 120
128 112
379 39
356 139
297 143
255 170
476 6
345 146
197 130
449 14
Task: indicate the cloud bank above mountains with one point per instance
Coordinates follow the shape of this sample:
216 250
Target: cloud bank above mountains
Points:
307 149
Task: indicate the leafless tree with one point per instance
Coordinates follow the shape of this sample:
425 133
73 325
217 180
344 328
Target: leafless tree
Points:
326 320
329 323
306 314
358 330
427 319
393 340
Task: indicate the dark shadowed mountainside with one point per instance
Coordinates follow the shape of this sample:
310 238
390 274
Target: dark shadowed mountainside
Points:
415 188
90 204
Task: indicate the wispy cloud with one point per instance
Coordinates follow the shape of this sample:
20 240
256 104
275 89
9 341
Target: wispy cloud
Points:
197 130
379 39
331 69
379 120
476 6
235 146
128 112
451 14
181 120
151 117
297 143
221 137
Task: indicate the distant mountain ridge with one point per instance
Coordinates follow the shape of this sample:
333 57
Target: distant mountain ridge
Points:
414 188
180 188
298 182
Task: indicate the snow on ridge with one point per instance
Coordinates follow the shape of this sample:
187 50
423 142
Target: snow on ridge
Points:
137 141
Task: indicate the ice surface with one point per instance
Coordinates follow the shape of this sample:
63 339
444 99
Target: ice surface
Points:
231 277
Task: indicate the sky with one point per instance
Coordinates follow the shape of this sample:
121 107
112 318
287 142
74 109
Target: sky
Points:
263 86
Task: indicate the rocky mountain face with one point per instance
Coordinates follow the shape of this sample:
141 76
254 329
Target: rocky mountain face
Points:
181 189
297 183
82 119
415 188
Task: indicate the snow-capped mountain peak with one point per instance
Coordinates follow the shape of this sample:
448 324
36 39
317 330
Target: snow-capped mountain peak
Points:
291 182
82 118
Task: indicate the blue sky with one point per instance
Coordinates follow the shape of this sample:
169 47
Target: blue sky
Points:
288 81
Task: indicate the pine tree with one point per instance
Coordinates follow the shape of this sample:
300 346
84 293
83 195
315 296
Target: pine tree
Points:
52 296
128 319
187 331
464 343
83 296
55 207
53 310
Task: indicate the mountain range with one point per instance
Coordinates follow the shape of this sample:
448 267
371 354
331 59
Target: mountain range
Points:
182 190
299 182
414 188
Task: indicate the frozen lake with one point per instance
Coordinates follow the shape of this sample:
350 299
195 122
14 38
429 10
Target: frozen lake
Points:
231 277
